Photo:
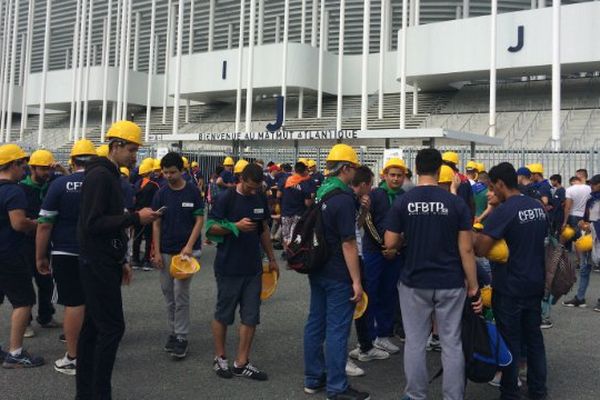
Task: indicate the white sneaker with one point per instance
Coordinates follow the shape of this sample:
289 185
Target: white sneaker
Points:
66 366
433 344
373 354
29 332
353 369
496 381
386 344
354 353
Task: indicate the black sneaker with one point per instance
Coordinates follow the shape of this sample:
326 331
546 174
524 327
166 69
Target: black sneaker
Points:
3 354
574 302
170 345
135 265
221 367
277 246
546 324
597 307
180 348
350 394
147 266
23 360
62 338
315 389
249 371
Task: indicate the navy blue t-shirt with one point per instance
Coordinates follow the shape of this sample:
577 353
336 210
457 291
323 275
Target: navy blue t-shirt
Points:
61 208
317 178
545 189
177 222
380 205
281 178
521 222
339 225
227 177
239 256
12 197
128 194
431 219
465 192
292 200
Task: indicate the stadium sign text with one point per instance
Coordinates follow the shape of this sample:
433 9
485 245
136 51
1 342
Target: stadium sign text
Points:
279 135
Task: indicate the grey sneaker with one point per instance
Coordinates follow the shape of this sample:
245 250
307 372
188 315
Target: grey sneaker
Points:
546 324
221 367
170 345
29 332
180 348
574 302
23 360
66 365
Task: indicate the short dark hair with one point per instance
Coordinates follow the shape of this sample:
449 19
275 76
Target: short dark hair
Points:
363 175
300 167
219 169
583 171
286 167
573 179
172 159
254 173
557 178
504 172
80 161
428 161
409 173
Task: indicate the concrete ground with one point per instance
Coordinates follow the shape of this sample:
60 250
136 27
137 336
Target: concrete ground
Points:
144 371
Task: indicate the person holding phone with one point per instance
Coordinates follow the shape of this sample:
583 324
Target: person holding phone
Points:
177 231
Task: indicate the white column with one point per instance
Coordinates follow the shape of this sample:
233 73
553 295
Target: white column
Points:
127 58
403 65
389 33
136 41
11 79
95 51
303 41
156 47
74 64
6 59
458 14
150 70
321 56
326 31
117 36
340 66
22 59
542 4
191 47
211 25
250 73
67 55
534 4
44 71
418 12
364 103
278 29
466 8
105 61
417 20
382 50
411 13
229 36
261 21
178 67
238 98
123 32
80 67
284 62
27 67
556 75
86 86
314 21
493 45
168 54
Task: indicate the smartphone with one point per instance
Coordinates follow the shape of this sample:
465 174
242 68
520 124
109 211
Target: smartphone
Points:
162 210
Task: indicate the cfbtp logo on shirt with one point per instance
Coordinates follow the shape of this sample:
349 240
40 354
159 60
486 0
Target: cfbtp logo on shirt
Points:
534 214
73 186
427 208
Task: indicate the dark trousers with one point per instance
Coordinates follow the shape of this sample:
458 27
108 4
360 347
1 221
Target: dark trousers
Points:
102 330
518 320
362 324
44 283
145 233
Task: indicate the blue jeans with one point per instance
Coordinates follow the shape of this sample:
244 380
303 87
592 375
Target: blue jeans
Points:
381 284
329 322
518 320
585 267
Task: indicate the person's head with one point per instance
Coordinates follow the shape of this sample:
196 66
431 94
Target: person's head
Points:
219 170
492 199
483 178
78 163
251 180
582 174
451 159
274 170
362 183
260 163
125 138
574 180
595 183
300 168
342 162
428 163
523 176
446 177
556 180
228 164
40 165
287 168
503 180
472 170
537 172
13 162
171 166
312 166
394 173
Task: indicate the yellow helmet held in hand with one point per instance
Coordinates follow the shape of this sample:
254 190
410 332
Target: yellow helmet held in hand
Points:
584 243
361 306
127 131
183 268
269 282
84 147
102 150
239 166
450 156
536 168
472 166
228 162
41 158
124 171
343 153
567 233
446 174
478 227
499 252
394 163
486 296
10 153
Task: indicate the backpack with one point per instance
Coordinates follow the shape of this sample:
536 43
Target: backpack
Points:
308 251
560 271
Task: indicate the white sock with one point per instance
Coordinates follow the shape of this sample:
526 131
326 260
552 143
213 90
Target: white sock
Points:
17 352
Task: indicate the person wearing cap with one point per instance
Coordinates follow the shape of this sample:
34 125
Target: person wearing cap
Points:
526 186
226 179
336 287
519 283
57 232
101 232
177 231
15 275
435 225
143 198
35 186
465 192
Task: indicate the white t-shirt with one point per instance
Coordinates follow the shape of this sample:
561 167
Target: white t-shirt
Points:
580 195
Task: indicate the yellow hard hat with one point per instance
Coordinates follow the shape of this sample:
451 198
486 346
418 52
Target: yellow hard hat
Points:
567 233
269 283
536 168
186 162
478 226
41 158
84 147
239 166
303 161
156 164
11 152
195 164
480 167
312 163
450 156
499 252
361 306
124 171
446 174
102 150
394 163
228 162
343 152
486 296
126 130
146 166
472 165
584 243
181 268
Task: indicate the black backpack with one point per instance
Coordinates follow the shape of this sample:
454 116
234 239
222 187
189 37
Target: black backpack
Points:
308 251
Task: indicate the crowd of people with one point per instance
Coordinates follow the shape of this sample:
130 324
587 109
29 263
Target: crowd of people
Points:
421 251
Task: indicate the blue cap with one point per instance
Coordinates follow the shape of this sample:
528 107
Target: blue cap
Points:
524 171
